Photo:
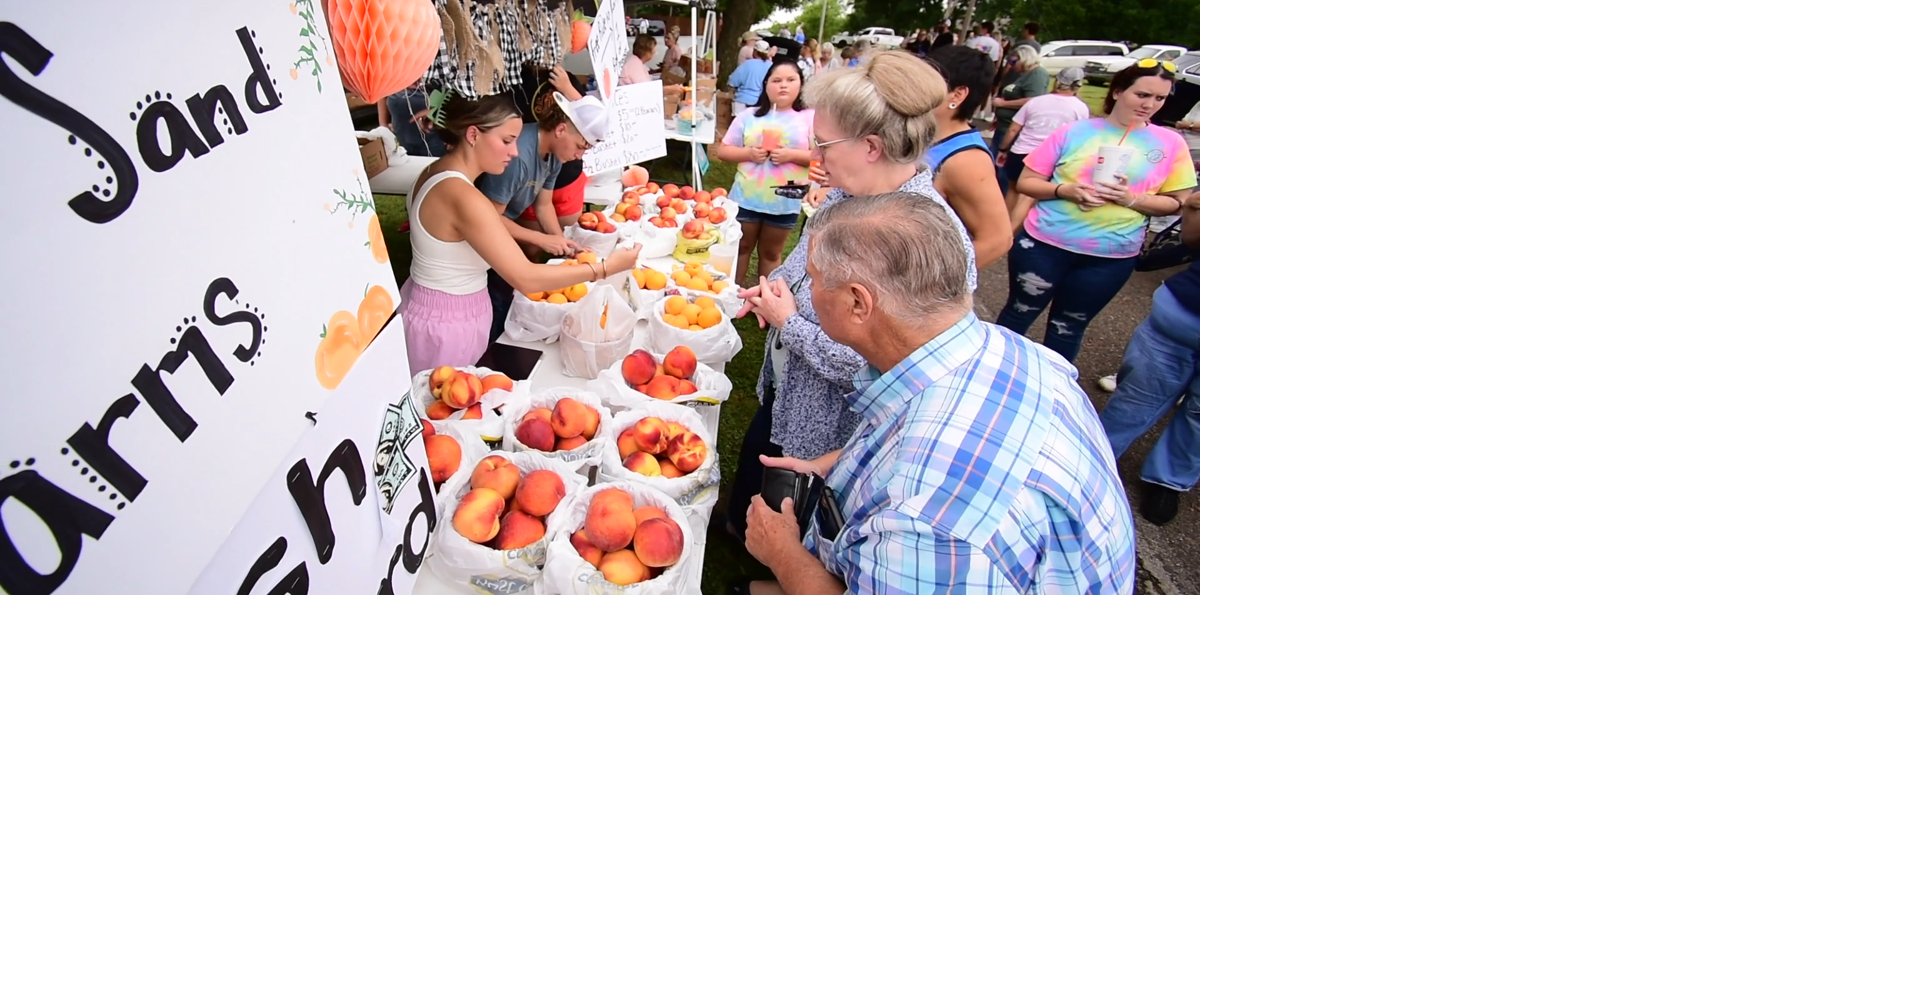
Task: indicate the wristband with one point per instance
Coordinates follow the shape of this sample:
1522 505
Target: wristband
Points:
1056 190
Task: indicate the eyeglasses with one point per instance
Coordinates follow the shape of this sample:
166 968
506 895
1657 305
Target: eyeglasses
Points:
1170 68
819 143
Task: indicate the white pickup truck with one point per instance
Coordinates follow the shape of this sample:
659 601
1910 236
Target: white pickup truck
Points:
878 38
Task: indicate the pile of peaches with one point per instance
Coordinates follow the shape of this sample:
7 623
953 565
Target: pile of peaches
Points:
627 544
698 277
505 508
671 378
702 312
592 221
566 295
567 425
656 446
457 391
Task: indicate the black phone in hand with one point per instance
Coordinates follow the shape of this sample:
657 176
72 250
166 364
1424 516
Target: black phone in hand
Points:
803 488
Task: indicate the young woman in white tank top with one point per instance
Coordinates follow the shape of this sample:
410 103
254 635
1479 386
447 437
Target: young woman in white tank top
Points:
457 234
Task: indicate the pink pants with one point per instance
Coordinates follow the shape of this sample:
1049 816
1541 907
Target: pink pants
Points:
444 328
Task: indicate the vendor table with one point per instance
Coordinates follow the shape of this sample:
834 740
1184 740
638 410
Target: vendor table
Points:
547 374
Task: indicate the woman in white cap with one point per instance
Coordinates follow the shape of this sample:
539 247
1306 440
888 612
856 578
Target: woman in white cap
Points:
462 240
562 130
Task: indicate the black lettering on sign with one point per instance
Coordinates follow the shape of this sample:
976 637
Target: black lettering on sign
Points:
90 443
202 107
405 553
224 287
66 516
148 382
181 139
310 496
296 581
261 97
126 181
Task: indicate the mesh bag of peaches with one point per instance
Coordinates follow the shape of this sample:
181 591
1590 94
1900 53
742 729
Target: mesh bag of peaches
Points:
535 316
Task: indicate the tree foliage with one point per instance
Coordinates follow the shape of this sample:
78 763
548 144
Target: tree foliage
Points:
1174 22
809 18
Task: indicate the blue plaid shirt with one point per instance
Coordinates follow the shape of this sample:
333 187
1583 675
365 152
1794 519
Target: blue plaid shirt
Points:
978 465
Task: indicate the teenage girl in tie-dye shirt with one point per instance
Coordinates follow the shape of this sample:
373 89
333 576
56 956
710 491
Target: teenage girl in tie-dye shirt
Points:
1077 247
772 144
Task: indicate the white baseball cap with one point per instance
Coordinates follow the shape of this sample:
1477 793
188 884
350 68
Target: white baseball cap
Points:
588 115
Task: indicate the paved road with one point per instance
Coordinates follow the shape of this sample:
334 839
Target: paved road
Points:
1169 556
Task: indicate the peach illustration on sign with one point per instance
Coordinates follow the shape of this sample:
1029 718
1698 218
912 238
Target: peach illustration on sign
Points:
347 334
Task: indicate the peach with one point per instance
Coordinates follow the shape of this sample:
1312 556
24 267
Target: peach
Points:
540 492
535 432
687 452
461 391
519 529
680 362
540 411
647 511
443 457
499 474
642 463
625 443
593 425
657 542
587 550
661 387
622 567
437 410
650 435
683 387
427 427
438 379
496 381
570 418
674 429
609 522
473 413
668 470
478 515
638 368
569 443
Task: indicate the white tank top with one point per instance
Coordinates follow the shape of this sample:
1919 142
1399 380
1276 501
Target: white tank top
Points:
448 267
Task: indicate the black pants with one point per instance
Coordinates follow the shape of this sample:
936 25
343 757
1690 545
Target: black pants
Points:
749 472
516 362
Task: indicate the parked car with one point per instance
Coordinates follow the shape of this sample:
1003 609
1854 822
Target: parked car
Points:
1101 70
1057 56
1184 102
879 38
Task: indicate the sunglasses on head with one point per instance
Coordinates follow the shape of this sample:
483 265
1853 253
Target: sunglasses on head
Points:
1163 64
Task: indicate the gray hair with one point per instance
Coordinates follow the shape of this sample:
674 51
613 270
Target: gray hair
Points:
902 246
1026 57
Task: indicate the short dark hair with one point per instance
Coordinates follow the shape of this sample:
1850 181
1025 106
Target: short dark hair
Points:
964 66
1031 28
1125 78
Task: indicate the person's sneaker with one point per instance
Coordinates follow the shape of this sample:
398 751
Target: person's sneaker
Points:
1158 504
1109 383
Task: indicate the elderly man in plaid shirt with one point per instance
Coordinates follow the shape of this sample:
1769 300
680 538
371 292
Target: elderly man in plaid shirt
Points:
979 465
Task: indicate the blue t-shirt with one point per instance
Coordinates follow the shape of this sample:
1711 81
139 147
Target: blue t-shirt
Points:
522 180
747 80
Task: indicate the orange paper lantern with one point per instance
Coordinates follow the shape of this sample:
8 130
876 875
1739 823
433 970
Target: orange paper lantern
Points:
382 46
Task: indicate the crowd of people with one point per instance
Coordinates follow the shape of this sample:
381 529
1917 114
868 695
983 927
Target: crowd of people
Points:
960 455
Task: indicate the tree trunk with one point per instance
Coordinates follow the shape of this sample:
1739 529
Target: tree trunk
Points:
736 16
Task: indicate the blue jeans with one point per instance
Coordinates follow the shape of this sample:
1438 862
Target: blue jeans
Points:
401 108
1078 286
1161 368
1009 173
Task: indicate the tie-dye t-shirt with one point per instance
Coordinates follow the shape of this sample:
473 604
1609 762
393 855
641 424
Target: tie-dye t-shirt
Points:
1069 155
753 185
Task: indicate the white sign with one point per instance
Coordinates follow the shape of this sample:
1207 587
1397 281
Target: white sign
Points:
193 265
635 131
352 510
607 45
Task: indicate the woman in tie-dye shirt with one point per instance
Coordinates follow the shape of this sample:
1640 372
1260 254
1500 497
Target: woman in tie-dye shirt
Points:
773 144
1078 244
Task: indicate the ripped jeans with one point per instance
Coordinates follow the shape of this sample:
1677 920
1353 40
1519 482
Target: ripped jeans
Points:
1078 286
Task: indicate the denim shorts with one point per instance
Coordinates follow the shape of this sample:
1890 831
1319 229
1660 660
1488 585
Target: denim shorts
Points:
788 221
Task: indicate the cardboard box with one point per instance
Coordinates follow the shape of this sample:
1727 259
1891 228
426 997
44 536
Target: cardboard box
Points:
373 156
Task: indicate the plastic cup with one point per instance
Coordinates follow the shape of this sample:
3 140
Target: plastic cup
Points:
1112 162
